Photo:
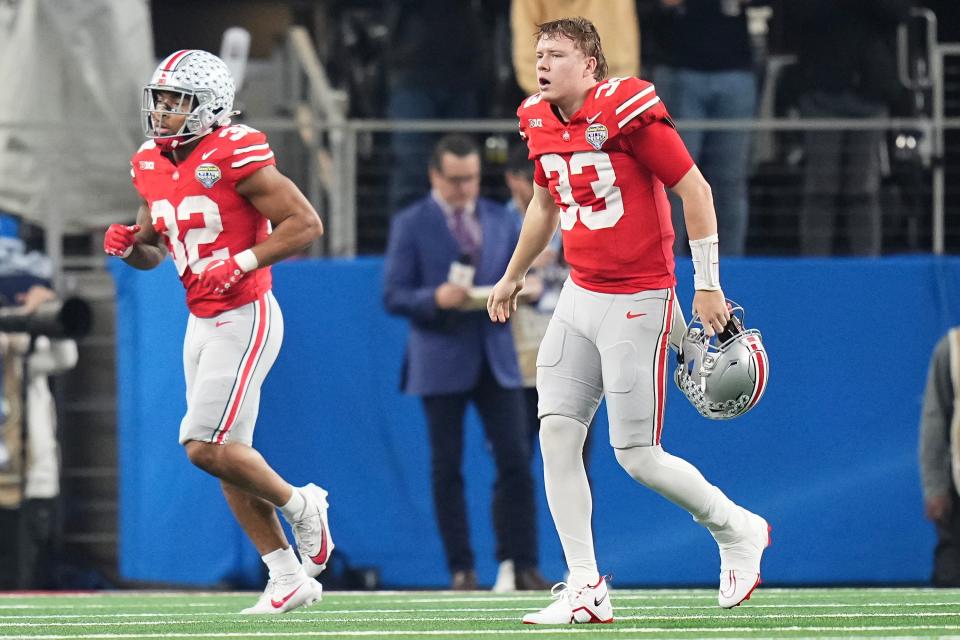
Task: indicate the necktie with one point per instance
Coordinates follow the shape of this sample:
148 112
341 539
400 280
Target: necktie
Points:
464 235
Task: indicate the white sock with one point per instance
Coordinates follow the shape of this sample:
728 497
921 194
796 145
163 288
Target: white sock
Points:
682 484
281 563
568 494
294 506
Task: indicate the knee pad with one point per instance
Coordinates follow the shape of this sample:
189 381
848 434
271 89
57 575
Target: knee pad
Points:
646 465
561 436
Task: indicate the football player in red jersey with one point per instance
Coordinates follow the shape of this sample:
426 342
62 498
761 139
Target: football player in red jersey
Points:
604 150
214 200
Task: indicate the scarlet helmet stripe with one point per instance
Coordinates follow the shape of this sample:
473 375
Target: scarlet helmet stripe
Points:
660 386
174 59
760 360
261 328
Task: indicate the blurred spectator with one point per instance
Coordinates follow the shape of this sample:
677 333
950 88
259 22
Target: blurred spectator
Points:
940 458
20 271
435 70
31 360
542 289
848 70
615 19
707 72
30 474
439 248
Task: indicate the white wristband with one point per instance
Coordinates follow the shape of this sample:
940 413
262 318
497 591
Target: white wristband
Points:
706 263
246 260
126 252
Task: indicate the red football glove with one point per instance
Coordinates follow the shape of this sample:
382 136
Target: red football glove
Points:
119 239
220 275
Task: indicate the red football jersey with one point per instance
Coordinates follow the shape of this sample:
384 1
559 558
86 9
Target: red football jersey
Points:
606 169
196 208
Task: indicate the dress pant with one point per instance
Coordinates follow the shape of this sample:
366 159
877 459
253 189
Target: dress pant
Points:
946 555
841 175
502 414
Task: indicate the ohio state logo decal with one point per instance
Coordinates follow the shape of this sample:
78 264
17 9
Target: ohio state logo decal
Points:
596 135
207 174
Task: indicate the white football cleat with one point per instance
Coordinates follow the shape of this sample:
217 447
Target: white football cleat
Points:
312 531
740 562
589 604
281 596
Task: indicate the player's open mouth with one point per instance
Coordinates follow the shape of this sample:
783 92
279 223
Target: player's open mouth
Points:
544 83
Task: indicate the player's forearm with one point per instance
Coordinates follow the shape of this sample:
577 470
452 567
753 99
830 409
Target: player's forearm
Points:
145 256
698 213
289 238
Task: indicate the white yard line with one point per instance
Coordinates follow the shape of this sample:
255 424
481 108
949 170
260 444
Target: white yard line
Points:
326 609
322 612
417 618
660 631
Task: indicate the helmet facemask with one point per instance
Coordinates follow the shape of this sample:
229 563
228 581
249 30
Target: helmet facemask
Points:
724 375
153 103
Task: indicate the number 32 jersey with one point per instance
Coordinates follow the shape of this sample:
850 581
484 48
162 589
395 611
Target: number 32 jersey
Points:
195 207
606 169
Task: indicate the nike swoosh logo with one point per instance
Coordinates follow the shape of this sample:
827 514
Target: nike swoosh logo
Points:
276 604
631 316
220 323
594 117
597 602
321 557
208 154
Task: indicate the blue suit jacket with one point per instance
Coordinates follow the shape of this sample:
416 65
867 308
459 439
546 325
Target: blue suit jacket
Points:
445 349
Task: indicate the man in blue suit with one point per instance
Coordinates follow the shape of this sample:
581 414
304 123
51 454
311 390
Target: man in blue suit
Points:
439 247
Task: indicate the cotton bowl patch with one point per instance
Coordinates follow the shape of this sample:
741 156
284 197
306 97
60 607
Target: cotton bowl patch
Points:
596 135
207 174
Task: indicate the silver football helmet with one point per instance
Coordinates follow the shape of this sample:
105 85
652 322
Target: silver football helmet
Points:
207 90
723 376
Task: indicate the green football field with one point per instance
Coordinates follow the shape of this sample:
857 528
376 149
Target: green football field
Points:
665 613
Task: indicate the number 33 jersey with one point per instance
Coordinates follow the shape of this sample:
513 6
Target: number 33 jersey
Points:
195 207
606 169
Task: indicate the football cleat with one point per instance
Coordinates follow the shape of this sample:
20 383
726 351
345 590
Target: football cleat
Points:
740 562
589 604
312 531
285 595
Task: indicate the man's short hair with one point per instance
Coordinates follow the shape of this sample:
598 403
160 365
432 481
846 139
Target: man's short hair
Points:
518 161
455 143
584 36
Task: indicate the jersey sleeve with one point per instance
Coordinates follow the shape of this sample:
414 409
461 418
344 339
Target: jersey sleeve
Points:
527 113
634 104
136 176
250 153
539 175
659 148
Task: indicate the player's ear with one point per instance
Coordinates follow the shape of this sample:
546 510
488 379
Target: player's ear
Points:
591 67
